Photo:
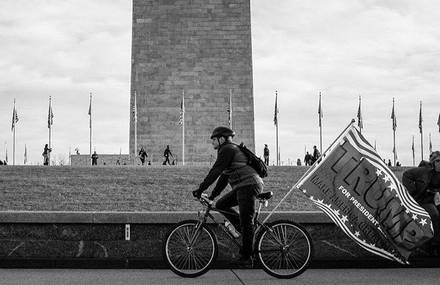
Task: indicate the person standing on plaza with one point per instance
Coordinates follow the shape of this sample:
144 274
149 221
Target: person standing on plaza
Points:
231 167
307 159
46 152
315 155
266 154
143 155
167 153
94 158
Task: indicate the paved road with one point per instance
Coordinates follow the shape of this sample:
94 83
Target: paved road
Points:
230 277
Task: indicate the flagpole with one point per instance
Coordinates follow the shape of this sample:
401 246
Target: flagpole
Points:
360 123
183 127
90 127
308 171
135 124
13 135
320 124
430 145
50 129
413 152
276 125
393 115
230 108
421 129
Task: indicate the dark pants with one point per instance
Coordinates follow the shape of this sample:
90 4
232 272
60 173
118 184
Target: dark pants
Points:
266 159
244 197
167 160
434 213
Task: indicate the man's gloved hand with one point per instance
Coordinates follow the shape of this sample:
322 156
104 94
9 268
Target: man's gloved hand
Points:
197 193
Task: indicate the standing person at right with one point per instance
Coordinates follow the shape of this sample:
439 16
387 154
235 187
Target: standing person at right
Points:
167 153
46 152
423 184
266 155
94 158
315 155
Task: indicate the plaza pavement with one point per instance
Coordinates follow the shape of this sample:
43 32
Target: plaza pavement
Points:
400 276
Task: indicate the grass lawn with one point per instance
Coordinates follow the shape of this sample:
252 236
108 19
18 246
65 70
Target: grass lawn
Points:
126 188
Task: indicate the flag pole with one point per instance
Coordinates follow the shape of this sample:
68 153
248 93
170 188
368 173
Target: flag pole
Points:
183 127
276 125
13 135
430 144
393 116
230 108
309 170
90 127
50 129
135 125
320 124
413 152
421 130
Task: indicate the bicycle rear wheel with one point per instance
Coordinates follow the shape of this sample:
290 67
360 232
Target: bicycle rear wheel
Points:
284 249
190 252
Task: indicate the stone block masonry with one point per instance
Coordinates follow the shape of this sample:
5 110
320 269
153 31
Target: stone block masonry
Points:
201 47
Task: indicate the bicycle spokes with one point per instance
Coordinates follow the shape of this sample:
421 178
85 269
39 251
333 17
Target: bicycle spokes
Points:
190 249
284 250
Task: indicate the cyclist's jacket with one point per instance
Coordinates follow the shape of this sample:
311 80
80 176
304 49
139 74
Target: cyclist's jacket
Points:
231 165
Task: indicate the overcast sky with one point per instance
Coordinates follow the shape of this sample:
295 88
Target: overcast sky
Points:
345 49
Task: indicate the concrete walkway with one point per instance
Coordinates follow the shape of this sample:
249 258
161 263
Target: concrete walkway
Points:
230 277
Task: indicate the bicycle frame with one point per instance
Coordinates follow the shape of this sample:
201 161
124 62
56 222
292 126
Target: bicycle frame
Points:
203 217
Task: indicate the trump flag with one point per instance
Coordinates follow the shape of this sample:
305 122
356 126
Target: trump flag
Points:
355 188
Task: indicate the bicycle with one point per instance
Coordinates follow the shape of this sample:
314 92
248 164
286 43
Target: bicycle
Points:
283 248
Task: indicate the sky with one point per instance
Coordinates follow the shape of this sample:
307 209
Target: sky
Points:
378 50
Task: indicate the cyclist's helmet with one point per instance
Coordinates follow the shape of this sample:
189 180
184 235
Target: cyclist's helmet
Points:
222 132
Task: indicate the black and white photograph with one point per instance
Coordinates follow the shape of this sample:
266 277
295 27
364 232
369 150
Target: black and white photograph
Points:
219 142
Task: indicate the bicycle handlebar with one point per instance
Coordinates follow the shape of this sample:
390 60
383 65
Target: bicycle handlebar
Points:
204 200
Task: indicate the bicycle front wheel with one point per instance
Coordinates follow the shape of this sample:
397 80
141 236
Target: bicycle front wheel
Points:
190 251
284 249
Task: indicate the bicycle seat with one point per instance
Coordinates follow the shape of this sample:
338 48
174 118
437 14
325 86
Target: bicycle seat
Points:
265 195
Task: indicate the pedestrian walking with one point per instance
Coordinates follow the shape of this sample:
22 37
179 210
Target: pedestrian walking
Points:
143 155
167 153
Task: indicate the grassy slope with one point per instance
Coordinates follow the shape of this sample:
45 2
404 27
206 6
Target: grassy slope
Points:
125 188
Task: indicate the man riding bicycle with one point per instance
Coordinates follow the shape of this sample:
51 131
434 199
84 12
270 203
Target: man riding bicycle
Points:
231 167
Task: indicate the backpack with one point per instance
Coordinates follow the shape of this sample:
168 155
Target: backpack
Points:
254 161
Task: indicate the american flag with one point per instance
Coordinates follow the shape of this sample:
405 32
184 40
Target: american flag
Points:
393 117
50 115
229 110
14 117
134 110
420 118
182 110
275 117
359 116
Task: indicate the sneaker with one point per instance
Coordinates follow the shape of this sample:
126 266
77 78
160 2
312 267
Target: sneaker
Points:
243 262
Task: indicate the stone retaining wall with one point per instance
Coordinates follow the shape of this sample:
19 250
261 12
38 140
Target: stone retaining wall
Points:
134 239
